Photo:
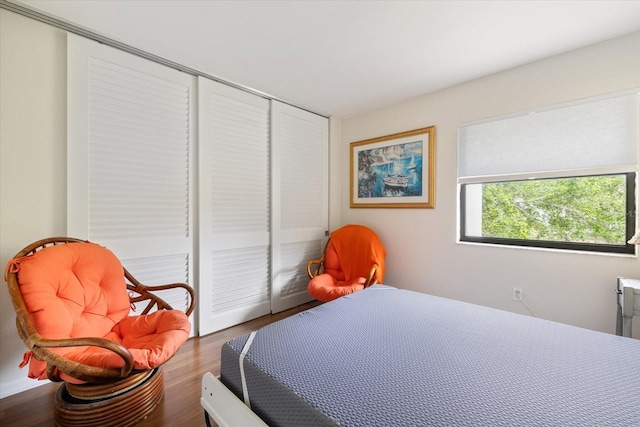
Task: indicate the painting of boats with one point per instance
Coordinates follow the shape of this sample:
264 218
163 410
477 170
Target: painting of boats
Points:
389 171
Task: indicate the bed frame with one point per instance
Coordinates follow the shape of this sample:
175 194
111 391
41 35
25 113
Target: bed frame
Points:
224 407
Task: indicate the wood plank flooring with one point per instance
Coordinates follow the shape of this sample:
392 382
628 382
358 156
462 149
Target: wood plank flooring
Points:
182 376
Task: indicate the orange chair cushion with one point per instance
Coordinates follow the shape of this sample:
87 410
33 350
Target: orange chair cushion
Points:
152 340
82 287
325 288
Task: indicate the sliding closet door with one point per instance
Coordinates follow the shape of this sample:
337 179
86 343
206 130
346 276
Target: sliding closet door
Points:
130 174
234 206
300 145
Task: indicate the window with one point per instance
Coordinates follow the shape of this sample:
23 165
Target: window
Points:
584 213
563 177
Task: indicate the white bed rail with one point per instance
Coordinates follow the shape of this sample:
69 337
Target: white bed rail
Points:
224 407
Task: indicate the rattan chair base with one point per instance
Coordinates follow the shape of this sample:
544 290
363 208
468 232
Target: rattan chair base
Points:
107 390
130 404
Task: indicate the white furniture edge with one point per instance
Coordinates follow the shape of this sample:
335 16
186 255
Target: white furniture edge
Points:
628 304
224 407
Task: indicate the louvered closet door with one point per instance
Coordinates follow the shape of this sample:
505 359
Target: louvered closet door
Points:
130 145
300 145
234 206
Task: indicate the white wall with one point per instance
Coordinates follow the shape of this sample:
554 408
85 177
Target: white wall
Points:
32 159
423 255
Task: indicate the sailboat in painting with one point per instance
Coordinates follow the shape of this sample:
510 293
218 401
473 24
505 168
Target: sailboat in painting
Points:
395 180
401 181
412 163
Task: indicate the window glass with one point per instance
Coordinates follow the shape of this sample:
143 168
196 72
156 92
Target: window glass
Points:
588 213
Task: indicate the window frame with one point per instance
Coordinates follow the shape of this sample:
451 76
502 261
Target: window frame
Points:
630 223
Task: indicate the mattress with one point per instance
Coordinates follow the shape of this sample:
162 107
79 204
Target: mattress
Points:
392 357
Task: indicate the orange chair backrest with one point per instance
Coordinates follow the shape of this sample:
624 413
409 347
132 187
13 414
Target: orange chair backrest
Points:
73 290
356 249
332 263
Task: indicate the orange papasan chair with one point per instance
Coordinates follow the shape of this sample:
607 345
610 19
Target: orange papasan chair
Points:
353 259
74 303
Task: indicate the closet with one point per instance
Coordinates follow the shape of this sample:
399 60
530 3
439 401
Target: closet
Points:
191 180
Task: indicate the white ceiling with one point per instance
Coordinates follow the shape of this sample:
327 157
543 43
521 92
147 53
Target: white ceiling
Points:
344 58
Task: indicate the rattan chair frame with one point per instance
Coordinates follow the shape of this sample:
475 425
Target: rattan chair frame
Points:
41 347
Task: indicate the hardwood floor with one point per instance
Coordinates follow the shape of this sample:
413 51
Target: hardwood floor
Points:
182 376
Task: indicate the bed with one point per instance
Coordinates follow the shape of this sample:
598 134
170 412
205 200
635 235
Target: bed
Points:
391 357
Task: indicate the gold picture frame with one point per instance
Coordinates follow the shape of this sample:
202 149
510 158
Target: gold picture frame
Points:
394 171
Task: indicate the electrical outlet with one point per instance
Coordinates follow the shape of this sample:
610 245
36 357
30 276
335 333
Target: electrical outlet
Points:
517 294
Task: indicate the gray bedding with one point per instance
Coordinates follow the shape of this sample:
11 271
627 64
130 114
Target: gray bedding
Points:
391 357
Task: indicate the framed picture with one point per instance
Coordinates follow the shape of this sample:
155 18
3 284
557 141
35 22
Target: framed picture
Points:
394 171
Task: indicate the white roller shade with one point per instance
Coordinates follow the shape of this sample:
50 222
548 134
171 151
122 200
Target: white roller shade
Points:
598 134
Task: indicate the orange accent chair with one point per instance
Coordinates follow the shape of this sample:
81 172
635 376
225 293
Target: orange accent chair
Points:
353 259
73 302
